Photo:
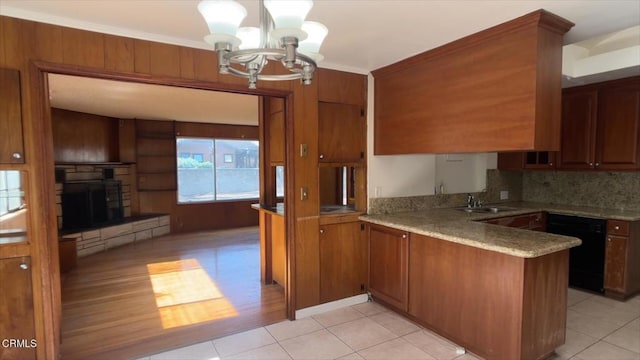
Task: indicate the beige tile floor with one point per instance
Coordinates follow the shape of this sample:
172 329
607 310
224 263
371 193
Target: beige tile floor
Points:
597 328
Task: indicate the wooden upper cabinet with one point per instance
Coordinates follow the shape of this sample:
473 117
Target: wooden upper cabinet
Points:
601 126
11 146
618 132
341 87
341 134
496 90
579 115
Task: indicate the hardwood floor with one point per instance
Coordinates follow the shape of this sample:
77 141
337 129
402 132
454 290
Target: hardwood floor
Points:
164 293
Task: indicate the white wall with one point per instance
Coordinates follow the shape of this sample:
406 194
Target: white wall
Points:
414 175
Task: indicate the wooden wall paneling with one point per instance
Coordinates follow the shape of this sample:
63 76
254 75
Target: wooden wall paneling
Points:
11 147
275 126
205 65
544 315
156 164
135 201
307 268
274 67
305 211
156 182
187 67
42 41
341 87
141 56
83 48
209 216
126 141
12 43
278 249
164 59
266 274
119 53
81 137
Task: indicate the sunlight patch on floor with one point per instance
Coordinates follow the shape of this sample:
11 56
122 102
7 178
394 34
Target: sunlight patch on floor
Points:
186 295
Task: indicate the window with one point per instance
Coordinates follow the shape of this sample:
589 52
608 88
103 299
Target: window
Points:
208 176
198 157
10 191
280 181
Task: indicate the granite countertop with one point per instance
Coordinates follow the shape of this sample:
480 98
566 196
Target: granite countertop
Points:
463 228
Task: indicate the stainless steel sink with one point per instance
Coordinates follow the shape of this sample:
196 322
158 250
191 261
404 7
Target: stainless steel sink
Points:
485 209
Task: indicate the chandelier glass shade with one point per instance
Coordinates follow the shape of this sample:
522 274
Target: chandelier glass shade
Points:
283 36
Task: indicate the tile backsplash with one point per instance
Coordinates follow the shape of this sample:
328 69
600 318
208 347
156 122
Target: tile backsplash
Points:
611 190
496 182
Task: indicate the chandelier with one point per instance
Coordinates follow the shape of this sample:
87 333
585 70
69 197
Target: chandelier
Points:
283 36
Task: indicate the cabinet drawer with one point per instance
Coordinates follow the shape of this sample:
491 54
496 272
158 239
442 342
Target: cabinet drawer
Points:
617 227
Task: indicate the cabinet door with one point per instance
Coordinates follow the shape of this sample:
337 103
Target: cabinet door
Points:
341 133
579 111
618 141
343 261
388 265
16 308
615 263
11 147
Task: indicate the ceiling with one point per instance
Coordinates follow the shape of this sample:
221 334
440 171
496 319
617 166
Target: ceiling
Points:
128 100
363 35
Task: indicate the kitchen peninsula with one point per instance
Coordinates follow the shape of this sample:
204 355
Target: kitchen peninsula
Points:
500 292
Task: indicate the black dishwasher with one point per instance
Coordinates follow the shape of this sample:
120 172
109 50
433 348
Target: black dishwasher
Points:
586 262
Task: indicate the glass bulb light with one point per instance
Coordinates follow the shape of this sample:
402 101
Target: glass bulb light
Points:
222 16
316 32
288 16
250 37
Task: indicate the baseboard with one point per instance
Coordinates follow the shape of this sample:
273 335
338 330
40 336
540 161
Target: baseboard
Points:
334 305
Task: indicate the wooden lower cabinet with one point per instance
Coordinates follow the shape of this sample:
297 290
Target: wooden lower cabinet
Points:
622 270
343 261
388 265
16 309
495 305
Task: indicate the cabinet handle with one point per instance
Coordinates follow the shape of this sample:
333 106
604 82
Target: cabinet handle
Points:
16 155
321 156
321 231
404 236
591 164
551 164
609 239
24 266
617 227
597 164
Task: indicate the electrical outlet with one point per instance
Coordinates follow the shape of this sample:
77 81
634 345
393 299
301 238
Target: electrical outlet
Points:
378 191
504 195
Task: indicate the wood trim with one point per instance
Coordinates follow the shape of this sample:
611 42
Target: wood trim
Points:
244 132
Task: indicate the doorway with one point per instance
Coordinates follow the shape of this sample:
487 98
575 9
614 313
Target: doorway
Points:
160 267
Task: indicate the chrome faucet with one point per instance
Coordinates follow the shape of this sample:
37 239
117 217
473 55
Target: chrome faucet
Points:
470 201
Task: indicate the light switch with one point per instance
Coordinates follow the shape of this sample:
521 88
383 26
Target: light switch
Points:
304 150
304 193
504 195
